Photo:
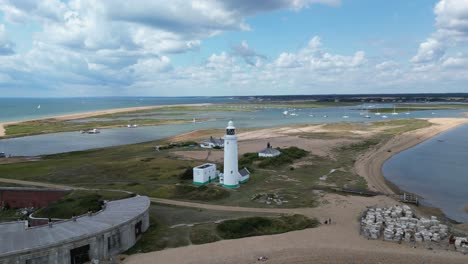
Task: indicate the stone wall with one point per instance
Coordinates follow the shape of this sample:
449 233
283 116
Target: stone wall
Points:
102 246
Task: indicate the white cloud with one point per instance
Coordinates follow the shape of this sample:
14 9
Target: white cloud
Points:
451 30
287 60
456 62
313 57
6 46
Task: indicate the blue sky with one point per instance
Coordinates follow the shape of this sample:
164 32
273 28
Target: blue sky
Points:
232 47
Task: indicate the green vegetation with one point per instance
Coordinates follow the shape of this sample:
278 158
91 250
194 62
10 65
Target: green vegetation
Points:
53 126
297 105
401 125
401 108
202 193
173 226
202 234
78 203
288 156
139 169
175 111
7 215
258 226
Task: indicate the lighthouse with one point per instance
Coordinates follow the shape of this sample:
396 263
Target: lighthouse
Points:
231 172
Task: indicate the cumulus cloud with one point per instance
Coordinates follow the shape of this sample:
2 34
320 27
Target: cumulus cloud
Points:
313 57
248 54
451 30
6 46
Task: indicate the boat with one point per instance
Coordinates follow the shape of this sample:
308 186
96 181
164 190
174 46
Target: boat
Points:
325 116
367 116
407 112
312 115
39 107
345 116
132 126
378 113
285 113
384 116
2 155
194 120
90 131
394 112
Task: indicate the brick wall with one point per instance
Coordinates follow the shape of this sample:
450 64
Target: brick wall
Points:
18 198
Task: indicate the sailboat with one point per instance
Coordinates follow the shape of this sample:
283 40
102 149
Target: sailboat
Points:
407 112
367 114
378 113
394 112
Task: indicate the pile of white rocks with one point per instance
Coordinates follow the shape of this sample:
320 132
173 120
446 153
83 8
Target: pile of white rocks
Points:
461 244
398 223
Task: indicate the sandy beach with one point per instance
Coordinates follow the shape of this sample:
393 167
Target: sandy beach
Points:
93 113
370 164
336 243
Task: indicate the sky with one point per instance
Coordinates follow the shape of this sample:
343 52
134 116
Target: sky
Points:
53 48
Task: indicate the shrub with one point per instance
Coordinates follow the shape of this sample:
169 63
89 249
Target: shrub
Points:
187 174
202 193
257 226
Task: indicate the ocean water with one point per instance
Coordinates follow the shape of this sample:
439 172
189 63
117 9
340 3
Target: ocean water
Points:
75 141
436 169
14 109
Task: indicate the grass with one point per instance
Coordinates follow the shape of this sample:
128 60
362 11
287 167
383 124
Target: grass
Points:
53 126
401 108
174 226
202 234
140 169
288 156
401 125
297 105
7 215
78 203
259 226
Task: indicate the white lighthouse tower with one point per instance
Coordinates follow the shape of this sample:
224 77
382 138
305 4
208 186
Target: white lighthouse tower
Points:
231 172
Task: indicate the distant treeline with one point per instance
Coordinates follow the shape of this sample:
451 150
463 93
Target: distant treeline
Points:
429 97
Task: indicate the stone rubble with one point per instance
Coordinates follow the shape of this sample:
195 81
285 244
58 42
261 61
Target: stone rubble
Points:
398 223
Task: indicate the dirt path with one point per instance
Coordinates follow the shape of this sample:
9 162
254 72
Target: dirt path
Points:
40 184
370 164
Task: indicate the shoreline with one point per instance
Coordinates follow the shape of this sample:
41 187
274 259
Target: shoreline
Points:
93 113
369 165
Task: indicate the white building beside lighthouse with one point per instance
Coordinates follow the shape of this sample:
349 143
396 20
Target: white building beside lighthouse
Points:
231 176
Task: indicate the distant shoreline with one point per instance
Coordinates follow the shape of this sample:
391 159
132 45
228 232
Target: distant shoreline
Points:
93 113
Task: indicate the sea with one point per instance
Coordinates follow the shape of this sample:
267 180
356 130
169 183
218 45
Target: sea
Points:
17 109
437 170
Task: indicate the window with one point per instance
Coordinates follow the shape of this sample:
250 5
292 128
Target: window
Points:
138 229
